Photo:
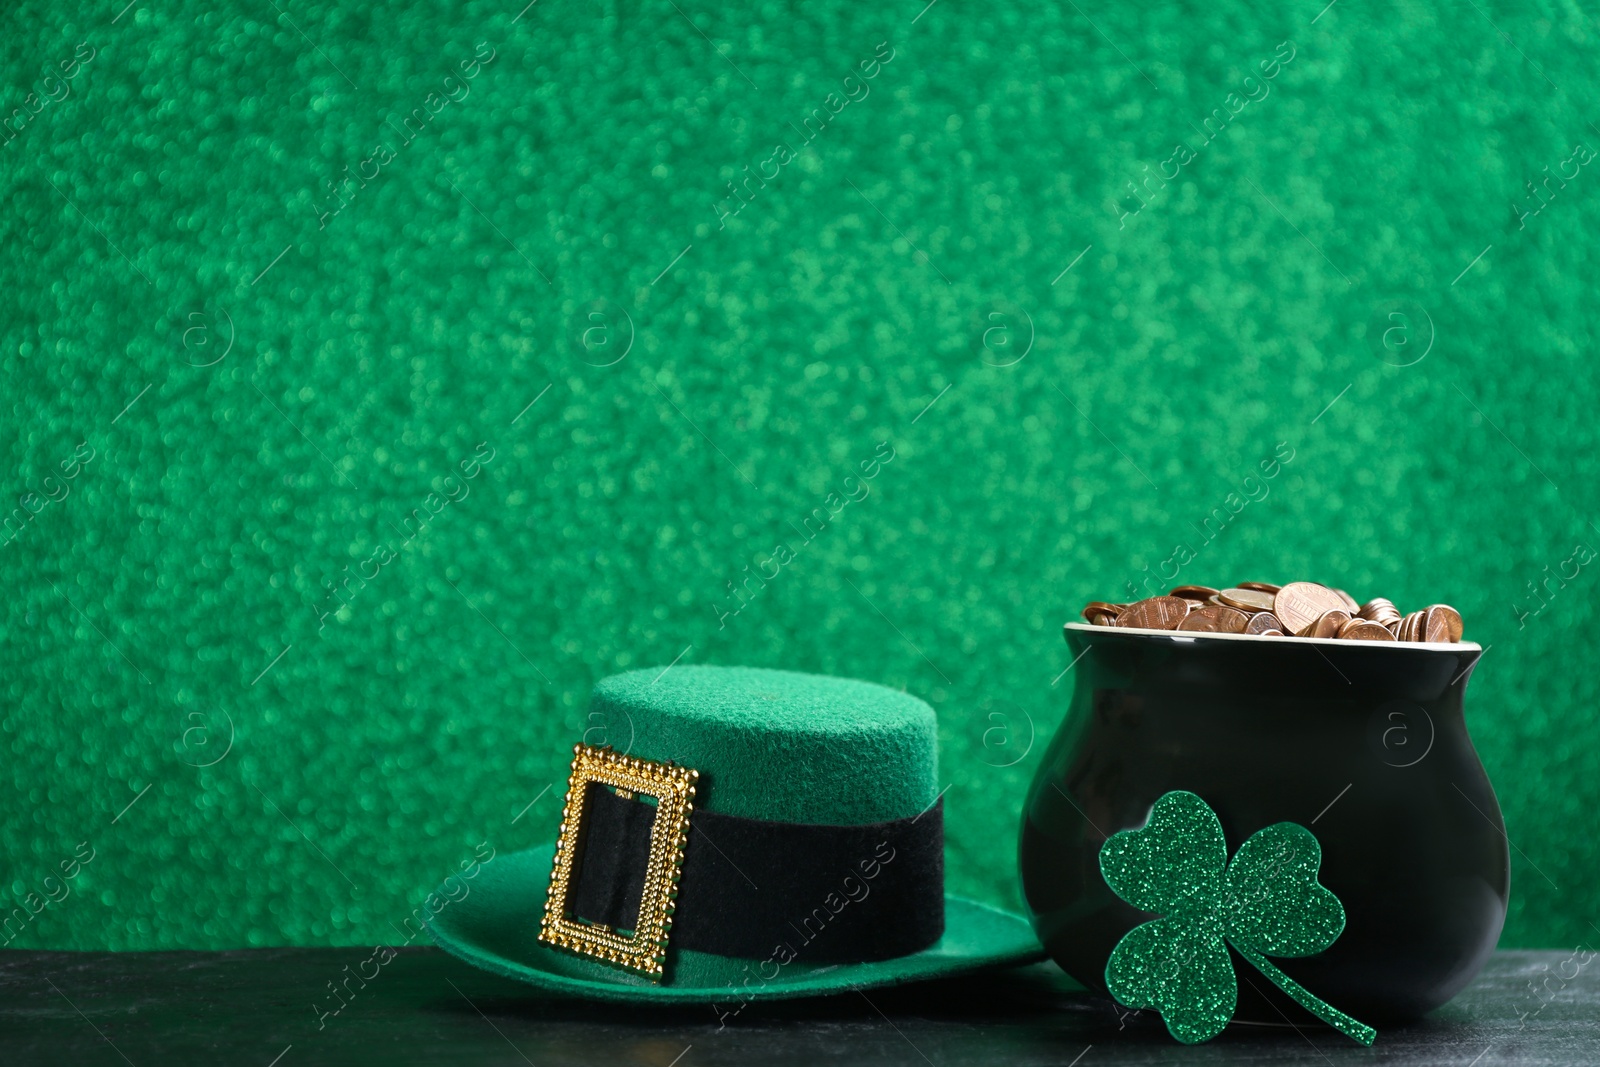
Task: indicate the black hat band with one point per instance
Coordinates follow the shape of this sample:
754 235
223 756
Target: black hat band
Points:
750 887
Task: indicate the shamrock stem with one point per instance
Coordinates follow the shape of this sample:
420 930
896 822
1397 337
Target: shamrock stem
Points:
1356 1031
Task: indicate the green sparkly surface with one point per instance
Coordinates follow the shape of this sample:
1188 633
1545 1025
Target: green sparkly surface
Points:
933 378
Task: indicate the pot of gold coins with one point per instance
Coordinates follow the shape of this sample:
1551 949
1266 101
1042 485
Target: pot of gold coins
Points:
1280 704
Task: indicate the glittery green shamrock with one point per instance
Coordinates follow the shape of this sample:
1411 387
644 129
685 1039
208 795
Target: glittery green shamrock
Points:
1267 902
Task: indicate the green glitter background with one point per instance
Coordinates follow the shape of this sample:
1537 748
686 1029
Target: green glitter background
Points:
942 267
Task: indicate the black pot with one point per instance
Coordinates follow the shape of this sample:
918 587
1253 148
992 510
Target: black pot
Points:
1363 742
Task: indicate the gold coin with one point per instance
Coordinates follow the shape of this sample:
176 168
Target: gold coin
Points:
1215 619
1364 630
1100 607
1299 604
1302 609
1442 623
1248 599
1260 587
1380 610
1263 622
1328 623
1154 613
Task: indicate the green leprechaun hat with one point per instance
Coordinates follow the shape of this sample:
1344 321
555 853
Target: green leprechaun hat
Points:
746 834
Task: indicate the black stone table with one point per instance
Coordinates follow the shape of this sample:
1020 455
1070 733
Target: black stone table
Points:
264 1008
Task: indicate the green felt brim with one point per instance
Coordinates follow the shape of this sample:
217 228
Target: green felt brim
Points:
494 924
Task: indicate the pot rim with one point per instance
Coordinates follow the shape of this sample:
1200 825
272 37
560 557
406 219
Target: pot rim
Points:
1189 636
